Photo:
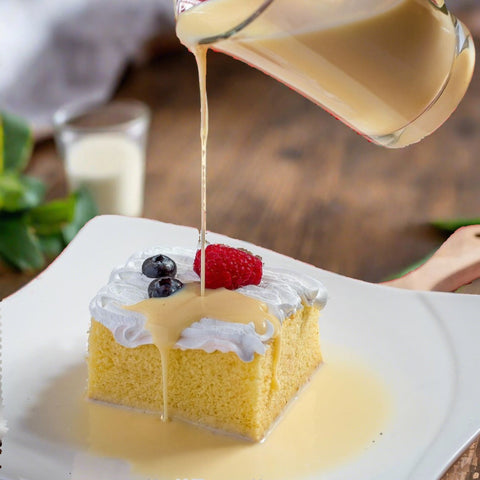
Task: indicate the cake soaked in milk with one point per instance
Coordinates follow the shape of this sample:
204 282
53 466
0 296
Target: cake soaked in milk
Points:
229 360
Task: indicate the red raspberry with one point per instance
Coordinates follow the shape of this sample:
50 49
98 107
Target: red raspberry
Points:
229 267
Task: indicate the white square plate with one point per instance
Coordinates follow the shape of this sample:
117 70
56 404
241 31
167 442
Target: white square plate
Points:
424 346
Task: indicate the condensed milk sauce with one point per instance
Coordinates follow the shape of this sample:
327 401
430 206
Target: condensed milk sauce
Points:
340 414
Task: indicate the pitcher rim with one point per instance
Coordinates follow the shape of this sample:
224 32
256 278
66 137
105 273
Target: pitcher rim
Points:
231 31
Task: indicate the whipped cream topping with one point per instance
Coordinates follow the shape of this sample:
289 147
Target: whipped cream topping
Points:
283 291
210 335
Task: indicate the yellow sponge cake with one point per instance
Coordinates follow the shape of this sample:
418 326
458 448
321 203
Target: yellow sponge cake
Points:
230 359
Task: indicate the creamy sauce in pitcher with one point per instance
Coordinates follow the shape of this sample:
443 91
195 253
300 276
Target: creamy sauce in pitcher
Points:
376 70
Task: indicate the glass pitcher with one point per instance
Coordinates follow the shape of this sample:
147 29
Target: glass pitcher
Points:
393 70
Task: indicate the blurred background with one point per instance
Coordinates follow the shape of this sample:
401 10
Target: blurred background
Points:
282 173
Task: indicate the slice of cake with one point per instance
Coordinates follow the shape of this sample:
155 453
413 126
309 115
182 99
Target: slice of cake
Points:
230 360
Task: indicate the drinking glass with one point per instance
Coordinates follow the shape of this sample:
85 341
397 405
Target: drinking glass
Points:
393 70
104 148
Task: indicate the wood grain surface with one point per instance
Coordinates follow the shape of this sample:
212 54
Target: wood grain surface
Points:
284 174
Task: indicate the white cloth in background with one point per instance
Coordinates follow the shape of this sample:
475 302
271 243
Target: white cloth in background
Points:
53 52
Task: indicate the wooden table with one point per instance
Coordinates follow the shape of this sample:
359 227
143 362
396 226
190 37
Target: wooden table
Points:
285 175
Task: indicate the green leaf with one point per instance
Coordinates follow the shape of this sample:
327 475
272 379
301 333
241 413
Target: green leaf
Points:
19 247
51 245
2 154
85 210
20 192
16 143
52 217
450 225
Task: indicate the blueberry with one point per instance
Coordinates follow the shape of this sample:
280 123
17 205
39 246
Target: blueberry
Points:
159 266
164 287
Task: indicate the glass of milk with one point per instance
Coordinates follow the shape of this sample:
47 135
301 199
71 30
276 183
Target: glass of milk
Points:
104 150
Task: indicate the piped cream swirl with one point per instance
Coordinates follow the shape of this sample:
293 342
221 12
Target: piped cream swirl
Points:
283 291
